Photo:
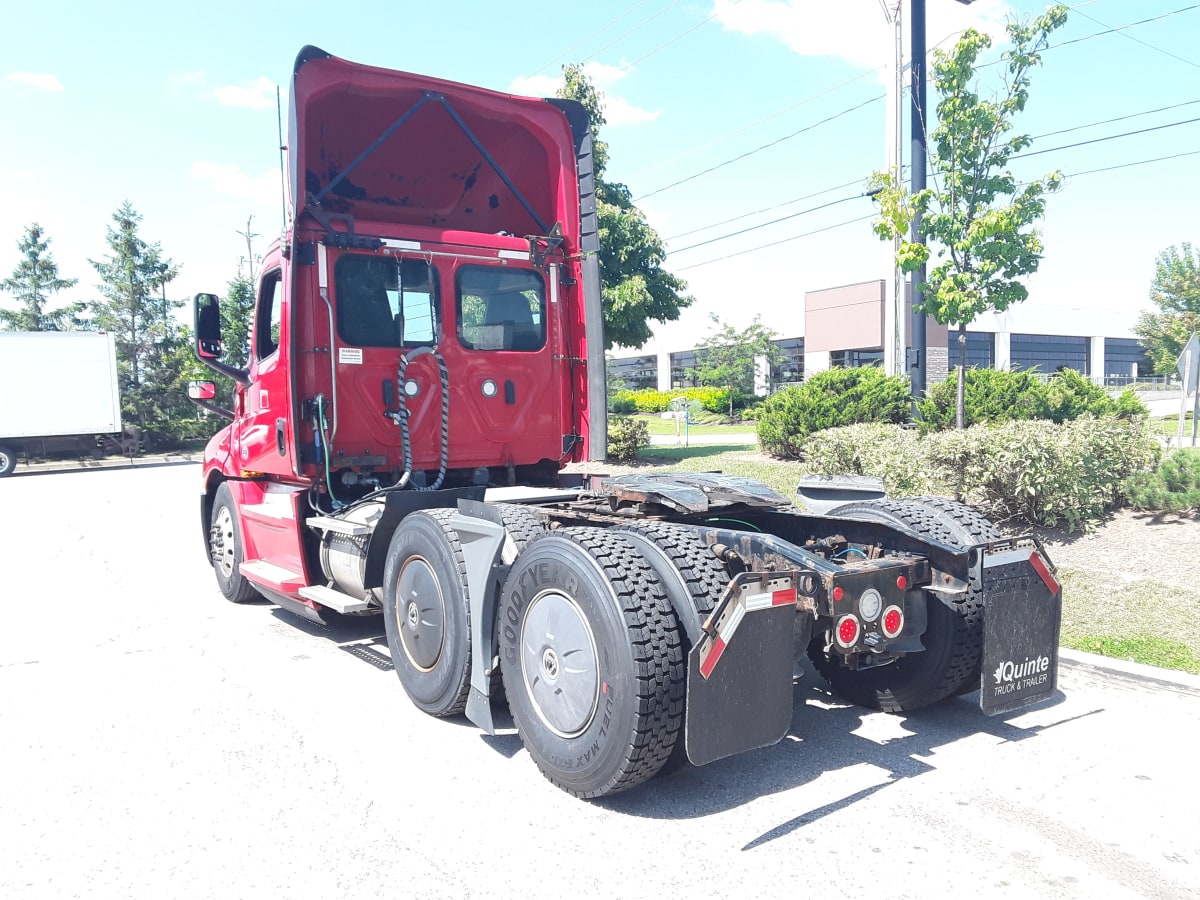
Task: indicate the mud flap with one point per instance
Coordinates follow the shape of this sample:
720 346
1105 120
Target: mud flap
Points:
1022 615
739 687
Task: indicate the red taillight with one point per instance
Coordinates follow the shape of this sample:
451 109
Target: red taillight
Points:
838 594
901 582
847 631
893 622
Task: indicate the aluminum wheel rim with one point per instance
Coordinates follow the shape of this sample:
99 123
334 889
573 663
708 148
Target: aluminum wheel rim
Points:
223 543
559 664
420 613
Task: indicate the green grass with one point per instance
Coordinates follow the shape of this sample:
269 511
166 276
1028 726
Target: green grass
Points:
1170 425
1142 620
659 425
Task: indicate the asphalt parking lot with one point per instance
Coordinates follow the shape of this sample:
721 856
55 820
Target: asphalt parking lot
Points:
161 742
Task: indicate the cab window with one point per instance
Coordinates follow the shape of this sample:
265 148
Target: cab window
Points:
386 301
501 309
266 325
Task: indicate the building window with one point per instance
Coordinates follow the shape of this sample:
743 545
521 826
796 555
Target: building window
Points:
981 349
853 359
1049 352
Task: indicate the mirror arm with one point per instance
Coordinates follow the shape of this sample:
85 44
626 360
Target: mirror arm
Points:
241 376
214 409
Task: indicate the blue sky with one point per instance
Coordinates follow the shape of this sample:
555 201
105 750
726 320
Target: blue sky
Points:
173 108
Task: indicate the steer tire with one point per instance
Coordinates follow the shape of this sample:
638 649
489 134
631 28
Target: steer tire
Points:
426 612
953 638
694 581
592 662
226 550
8 460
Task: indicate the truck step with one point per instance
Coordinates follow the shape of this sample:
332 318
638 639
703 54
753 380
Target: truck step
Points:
334 599
337 526
270 508
272 576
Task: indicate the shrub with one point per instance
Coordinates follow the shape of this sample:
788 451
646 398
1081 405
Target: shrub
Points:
890 452
1174 486
1069 395
827 400
626 438
1042 472
648 400
1129 406
989 396
622 403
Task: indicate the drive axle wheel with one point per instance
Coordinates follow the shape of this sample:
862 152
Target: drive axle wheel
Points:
225 549
426 612
953 639
592 662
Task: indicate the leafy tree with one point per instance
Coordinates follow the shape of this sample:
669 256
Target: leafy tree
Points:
635 288
727 357
977 218
32 283
1175 290
151 361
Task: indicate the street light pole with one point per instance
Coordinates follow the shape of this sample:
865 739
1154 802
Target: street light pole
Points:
917 174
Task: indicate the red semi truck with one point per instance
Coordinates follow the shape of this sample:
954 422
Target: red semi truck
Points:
427 356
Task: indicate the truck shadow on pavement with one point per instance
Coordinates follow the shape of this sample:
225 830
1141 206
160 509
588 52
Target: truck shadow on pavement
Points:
823 730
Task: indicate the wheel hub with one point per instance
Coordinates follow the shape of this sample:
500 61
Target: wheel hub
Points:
559 663
420 613
222 542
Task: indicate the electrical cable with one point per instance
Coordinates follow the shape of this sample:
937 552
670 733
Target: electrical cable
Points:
584 40
622 37
802 212
764 209
1099 140
794 237
1143 43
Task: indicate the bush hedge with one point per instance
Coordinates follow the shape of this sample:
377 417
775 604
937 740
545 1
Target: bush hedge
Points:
626 438
827 400
1174 486
1043 472
650 401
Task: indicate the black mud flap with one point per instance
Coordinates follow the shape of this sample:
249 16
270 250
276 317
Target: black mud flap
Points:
739 687
1022 615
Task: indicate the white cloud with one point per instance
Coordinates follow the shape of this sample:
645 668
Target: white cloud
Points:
229 179
617 110
853 30
41 80
257 94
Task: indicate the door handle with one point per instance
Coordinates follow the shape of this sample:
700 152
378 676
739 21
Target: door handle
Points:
280 442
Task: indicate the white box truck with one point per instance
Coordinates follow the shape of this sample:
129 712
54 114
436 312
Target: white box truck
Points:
58 394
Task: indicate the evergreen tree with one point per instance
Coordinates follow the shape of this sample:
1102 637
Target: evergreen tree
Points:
32 283
135 308
635 287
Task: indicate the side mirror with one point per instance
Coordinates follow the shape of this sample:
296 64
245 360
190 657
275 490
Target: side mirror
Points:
207 313
201 390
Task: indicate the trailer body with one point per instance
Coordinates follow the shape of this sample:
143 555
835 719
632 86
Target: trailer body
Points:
58 393
427 356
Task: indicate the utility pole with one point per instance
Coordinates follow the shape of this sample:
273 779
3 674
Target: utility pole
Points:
918 165
894 309
249 236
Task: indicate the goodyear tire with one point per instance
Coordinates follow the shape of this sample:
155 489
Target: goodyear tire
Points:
953 638
225 548
8 461
592 663
693 579
426 612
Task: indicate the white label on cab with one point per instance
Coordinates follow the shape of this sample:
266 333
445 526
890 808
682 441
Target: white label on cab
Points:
350 355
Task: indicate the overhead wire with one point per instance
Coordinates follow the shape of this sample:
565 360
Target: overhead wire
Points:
584 40
1144 43
626 34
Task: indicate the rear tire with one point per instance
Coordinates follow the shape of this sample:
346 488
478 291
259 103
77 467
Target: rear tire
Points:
8 461
592 662
693 579
953 638
225 548
426 612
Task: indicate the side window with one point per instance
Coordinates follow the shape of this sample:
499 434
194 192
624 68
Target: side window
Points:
501 309
386 301
266 325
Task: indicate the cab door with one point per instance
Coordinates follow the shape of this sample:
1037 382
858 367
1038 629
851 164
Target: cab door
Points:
265 442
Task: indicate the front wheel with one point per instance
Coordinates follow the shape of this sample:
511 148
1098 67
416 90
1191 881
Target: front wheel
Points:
592 661
8 461
225 548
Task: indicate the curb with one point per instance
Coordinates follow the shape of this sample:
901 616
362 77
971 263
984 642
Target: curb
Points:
107 462
1183 682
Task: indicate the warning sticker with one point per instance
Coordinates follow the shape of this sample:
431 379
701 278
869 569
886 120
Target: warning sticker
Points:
351 355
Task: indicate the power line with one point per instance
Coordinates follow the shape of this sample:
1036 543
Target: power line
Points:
794 237
584 40
640 24
1146 112
794 215
663 46
1120 28
1140 162
1111 137
741 156
1145 43
764 209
